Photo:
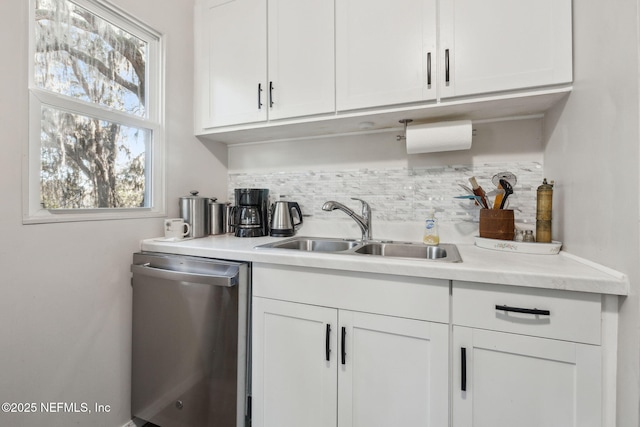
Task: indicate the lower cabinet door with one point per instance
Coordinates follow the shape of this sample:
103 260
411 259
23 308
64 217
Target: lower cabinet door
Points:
392 372
293 383
508 379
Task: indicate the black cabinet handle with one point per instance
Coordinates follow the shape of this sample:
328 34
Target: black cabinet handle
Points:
327 346
344 351
463 369
259 96
429 69
270 94
446 66
523 310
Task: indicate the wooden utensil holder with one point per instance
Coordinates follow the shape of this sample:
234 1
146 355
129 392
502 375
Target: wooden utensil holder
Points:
497 224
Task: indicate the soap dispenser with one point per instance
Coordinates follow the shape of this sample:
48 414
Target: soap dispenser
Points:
431 236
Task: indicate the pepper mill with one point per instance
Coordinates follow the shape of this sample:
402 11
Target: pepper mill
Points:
543 212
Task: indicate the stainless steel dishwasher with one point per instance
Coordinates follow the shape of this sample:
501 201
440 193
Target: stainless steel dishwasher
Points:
190 344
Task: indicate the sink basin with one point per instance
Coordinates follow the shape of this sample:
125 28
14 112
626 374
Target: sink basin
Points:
444 252
314 244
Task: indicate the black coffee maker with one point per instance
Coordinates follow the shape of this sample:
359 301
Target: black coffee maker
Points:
251 212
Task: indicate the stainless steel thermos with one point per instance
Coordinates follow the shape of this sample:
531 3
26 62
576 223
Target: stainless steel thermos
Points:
218 217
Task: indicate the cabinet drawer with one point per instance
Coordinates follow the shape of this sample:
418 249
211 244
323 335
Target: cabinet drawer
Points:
564 315
400 296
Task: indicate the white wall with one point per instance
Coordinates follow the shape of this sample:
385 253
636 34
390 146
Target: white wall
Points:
65 309
592 151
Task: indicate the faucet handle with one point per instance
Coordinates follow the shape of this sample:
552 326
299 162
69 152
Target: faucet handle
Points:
366 209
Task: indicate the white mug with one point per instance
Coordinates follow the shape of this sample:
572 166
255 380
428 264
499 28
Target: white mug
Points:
175 228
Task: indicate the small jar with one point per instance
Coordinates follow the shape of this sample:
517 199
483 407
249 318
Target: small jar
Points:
519 236
528 236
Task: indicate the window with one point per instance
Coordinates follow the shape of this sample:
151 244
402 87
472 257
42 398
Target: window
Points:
96 132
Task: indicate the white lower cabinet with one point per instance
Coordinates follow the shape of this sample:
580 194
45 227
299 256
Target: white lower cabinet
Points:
293 382
509 379
526 357
394 372
380 370
349 349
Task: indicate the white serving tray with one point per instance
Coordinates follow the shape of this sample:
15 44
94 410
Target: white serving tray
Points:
520 247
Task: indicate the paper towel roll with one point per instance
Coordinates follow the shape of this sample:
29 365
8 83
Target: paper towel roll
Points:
442 136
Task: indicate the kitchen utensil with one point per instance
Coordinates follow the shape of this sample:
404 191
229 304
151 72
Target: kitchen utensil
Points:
282 218
510 177
218 216
508 190
467 189
194 210
477 199
497 202
478 191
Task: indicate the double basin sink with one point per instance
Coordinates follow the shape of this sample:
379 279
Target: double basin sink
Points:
444 252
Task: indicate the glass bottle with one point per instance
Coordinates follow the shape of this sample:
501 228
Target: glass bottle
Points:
528 236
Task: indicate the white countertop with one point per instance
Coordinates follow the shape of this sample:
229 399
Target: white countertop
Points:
561 271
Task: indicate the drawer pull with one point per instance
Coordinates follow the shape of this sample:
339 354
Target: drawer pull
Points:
428 70
271 94
463 369
446 67
344 350
327 345
523 310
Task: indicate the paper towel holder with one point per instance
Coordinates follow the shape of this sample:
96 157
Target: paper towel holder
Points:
405 122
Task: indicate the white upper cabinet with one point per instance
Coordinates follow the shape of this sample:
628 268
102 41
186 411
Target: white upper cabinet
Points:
385 52
277 69
301 58
255 63
500 45
231 62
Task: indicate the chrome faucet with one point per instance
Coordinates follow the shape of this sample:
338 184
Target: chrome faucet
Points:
364 221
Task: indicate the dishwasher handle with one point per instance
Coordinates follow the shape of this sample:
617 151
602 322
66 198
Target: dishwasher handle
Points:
204 279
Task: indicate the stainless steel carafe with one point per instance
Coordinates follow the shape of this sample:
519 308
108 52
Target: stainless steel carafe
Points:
283 223
218 215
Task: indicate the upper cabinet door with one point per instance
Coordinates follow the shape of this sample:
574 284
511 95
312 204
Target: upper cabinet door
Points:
385 52
501 45
301 58
231 62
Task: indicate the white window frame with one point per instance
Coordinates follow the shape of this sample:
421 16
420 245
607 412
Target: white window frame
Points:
33 212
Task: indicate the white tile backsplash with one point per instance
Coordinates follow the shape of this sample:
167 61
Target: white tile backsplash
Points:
397 194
